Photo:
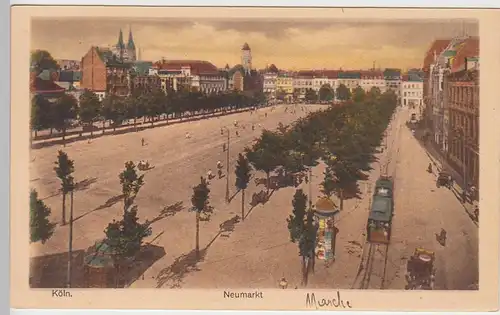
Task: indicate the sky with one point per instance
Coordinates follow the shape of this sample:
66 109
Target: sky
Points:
289 44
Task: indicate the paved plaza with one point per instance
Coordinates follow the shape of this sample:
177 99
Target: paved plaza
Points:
256 252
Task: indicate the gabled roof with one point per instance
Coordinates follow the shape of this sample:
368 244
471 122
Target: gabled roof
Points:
469 49
436 47
41 86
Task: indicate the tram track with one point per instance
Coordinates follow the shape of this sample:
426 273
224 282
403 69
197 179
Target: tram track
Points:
370 265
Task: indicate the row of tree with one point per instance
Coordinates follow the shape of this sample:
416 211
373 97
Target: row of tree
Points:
326 93
66 111
343 137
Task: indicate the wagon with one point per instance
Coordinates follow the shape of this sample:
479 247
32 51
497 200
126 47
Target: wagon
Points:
420 271
444 179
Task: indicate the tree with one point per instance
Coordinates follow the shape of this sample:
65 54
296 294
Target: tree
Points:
90 109
328 184
42 60
199 200
114 109
64 111
41 229
40 113
267 153
131 184
64 168
343 93
326 93
125 238
358 95
311 95
242 178
302 231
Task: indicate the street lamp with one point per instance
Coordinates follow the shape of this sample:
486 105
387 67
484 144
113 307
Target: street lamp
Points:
227 164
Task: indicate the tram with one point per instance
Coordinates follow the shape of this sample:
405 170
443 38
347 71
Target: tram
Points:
378 229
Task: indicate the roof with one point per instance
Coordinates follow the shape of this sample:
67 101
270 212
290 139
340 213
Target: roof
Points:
382 182
197 66
349 75
69 76
468 50
325 203
392 73
142 67
365 74
104 53
437 46
41 86
245 47
381 209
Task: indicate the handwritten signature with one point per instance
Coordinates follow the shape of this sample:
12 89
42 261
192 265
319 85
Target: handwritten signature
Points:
335 302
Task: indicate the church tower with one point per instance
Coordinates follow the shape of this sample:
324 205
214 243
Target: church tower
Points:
131 50
119 48
246 58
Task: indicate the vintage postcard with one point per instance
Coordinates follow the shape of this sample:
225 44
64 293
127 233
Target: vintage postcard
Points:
254 158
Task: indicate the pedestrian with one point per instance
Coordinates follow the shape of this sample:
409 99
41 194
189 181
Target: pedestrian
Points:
142 141
223 147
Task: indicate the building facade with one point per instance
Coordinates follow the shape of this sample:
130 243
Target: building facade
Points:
372 78
392 79
412 86
284 85
189 75
351 79
462 89
437 47
269 85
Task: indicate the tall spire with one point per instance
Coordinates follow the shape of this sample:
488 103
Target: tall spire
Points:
120 40
130 44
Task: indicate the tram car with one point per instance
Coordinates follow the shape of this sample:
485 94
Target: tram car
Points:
378 229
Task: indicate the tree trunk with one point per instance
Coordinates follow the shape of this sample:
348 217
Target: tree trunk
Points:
135 123
64 136
304 270
63 208
103 126
243 204
313 260
197 248
91 130
268 181
151 120
341 197
36 134
51 130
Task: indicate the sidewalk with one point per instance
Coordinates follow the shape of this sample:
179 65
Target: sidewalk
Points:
440 162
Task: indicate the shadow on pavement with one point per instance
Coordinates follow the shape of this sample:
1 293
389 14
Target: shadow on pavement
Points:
110 202
50 271
173 275
169 211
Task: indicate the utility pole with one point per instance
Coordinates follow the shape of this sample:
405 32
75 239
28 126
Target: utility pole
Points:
227 166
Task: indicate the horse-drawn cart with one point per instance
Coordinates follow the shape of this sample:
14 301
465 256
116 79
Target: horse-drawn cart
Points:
420 270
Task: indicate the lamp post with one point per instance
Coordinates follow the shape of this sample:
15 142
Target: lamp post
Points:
70 247
227 164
